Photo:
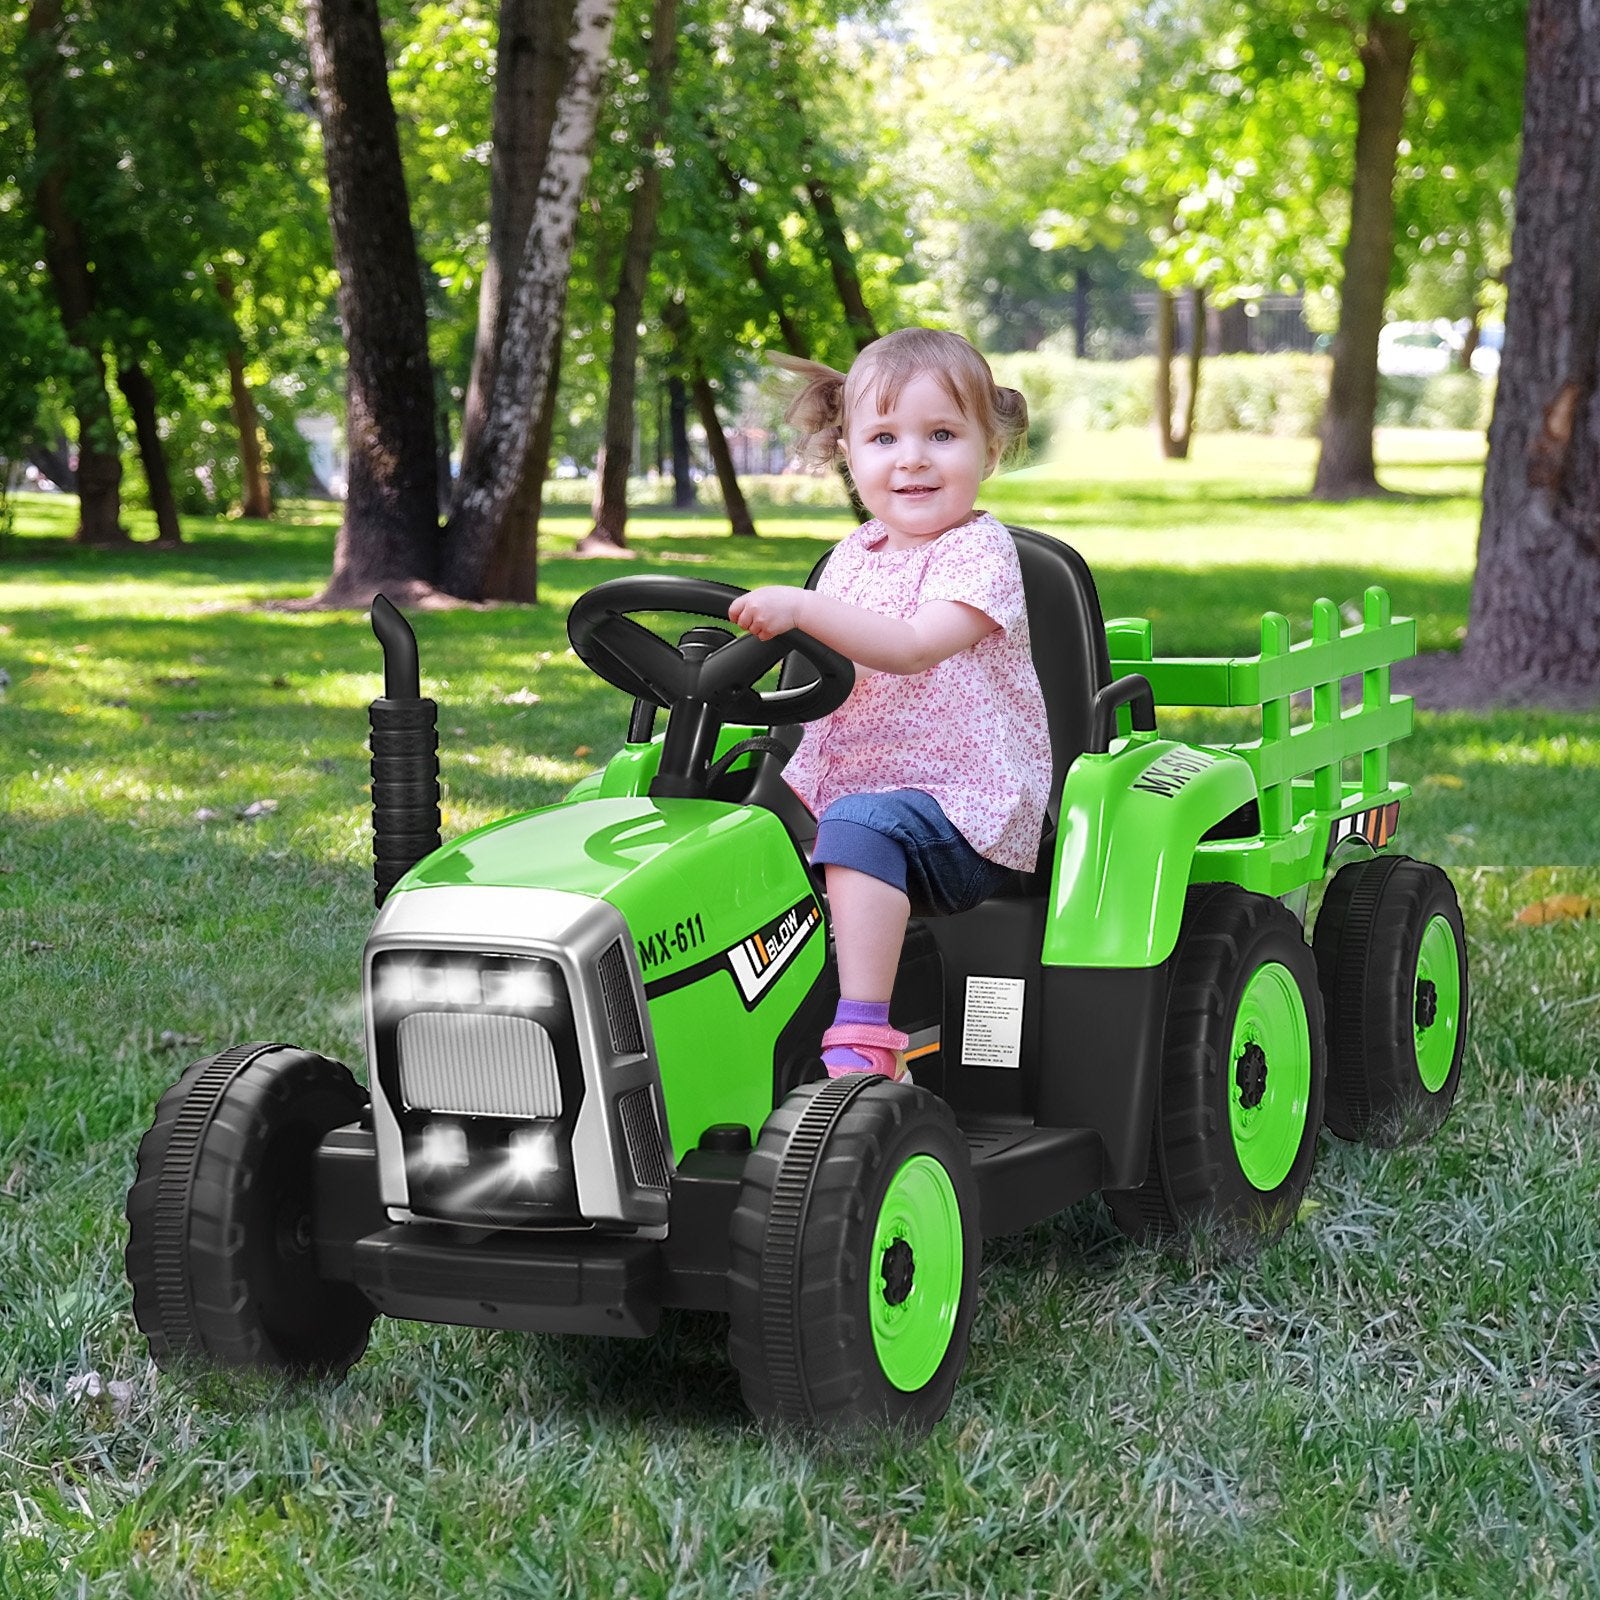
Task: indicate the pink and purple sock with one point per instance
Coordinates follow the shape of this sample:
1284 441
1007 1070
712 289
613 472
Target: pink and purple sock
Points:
874 1013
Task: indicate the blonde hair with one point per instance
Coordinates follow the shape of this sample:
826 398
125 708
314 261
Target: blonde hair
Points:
821 407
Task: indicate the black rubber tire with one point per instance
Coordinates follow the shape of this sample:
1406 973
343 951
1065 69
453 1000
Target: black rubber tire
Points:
1195 1183
800 1257
1367 940
220 1217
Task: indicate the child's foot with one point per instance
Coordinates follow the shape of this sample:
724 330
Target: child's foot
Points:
850 1047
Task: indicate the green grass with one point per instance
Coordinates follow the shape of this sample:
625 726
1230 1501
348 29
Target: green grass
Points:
1401 1398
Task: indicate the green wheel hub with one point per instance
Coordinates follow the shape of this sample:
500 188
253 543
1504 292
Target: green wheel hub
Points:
1269 1076
1438 1003
915 1280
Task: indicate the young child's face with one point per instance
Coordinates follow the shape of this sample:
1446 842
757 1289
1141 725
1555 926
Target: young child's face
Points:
917 466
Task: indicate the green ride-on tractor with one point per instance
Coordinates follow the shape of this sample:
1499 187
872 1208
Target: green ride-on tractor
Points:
592 1030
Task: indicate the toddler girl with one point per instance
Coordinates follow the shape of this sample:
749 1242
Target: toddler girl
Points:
930 781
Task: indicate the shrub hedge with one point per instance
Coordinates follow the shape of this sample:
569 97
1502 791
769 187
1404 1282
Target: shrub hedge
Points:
1270 394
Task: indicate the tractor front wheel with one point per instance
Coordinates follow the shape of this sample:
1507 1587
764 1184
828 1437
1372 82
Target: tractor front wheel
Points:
1243 1062
854 1256
220 1249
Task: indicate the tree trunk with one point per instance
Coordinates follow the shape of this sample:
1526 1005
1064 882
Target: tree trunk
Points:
256 503
1081 284
1345 468
1535 620
841 260
488 489
257 491
1166 342
705 402
531 66
1197 351
389 538
794 339
627 305
514 566
682 467
140 393
835 244
99 469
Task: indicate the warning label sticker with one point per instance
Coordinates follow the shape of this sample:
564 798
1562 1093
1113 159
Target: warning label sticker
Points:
991 1032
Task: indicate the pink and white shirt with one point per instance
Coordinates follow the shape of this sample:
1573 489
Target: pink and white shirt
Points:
970 731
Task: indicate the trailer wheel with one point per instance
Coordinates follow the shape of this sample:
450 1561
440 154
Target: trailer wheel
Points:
854 1260
220 1250
1392 962
1243 1063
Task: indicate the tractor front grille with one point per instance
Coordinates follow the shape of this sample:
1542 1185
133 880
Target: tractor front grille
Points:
622 1014
478 1064
643 1135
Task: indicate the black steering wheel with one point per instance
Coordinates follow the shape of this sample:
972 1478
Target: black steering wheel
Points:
643 664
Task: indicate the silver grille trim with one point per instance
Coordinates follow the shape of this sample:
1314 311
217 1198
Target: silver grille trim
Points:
478 1065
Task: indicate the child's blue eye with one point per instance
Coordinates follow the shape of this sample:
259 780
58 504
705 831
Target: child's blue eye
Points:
883 438
941 435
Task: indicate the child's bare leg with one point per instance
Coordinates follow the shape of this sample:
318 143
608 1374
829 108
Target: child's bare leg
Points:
869 927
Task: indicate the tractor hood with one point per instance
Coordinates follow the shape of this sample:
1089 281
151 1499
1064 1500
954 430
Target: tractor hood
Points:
692 878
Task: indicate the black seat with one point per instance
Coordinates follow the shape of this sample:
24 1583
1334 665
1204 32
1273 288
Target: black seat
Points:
1068 635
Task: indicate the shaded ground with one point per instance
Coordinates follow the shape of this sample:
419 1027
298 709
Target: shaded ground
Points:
1442 681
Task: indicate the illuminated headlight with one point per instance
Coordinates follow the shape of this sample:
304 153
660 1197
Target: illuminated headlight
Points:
531 1153
519 988
444 1145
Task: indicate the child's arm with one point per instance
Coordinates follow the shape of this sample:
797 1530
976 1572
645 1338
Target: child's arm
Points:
940 629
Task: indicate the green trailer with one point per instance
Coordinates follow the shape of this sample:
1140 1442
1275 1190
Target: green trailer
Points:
593 1089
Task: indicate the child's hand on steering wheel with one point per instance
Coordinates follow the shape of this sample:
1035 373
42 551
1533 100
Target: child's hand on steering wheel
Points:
768 611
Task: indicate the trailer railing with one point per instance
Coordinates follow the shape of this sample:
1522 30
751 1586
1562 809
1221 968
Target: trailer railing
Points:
1299 766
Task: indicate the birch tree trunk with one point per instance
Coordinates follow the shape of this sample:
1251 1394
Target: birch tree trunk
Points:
1534 632
389 537
627 305
1345 468
531 65
488 486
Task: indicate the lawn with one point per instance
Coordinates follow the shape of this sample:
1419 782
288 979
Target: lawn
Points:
1400 1398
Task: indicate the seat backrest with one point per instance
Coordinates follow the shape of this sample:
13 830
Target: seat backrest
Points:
1068 636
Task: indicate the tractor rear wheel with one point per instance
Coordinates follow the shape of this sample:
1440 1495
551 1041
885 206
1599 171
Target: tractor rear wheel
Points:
220 1231
854 1259
1392 962
1243 1062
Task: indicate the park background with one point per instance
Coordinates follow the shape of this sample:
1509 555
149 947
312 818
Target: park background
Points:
230 233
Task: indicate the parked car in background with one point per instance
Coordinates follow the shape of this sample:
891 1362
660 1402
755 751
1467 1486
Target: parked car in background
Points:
1416 349
1424 349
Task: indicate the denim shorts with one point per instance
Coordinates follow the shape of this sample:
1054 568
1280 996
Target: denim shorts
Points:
905 839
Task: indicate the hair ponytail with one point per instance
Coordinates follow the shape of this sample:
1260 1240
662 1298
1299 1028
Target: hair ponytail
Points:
1011 421
816 408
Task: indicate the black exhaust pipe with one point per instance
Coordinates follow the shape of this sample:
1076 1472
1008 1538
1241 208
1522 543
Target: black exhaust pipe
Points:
405 757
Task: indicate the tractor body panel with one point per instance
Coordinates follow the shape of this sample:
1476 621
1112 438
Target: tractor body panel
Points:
1125 847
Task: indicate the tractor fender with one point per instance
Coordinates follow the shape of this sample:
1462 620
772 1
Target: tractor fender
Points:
1125 844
